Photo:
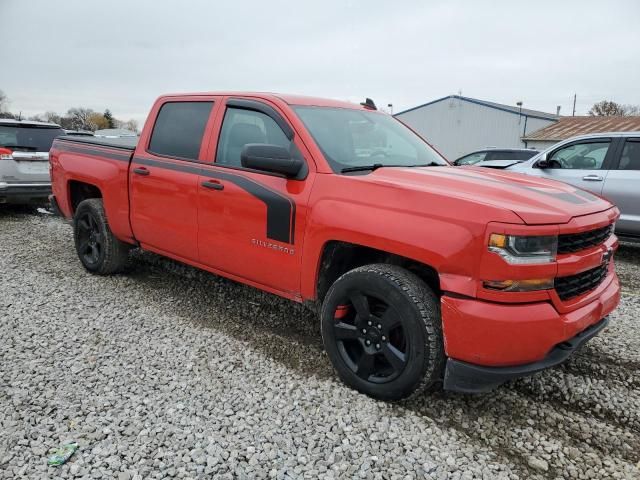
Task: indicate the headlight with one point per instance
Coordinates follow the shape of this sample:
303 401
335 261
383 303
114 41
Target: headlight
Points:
524 250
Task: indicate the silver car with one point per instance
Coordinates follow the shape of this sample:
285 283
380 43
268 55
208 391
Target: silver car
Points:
605 163
24 160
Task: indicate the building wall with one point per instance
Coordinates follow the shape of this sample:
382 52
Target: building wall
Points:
456 127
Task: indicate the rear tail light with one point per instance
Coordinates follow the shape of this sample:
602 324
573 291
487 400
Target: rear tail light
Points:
6 154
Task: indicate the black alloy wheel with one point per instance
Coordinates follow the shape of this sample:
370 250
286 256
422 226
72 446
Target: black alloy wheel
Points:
371 338
90 240
382 331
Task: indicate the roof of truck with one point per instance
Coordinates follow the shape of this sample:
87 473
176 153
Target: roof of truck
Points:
290 99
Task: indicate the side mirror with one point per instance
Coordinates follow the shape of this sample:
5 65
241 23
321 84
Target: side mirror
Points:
542 163
270 158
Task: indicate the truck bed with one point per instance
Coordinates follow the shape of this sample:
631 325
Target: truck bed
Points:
125 143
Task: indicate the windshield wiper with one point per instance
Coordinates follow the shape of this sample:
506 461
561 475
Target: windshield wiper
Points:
375 166
362 168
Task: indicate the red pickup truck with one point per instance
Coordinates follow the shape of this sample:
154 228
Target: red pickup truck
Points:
424 275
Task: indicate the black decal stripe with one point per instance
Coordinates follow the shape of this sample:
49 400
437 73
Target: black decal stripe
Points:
93 151
568 197
587 195
281 210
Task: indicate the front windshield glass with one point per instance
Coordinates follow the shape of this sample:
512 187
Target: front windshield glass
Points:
356 138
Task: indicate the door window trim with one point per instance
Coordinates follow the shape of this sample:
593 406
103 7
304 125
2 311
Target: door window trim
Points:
260 107
269 111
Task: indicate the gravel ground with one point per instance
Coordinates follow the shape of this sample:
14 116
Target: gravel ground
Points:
170 372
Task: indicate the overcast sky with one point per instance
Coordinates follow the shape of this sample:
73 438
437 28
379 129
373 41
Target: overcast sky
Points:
121 54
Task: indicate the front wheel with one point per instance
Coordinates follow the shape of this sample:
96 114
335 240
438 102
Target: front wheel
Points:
98 249
382 331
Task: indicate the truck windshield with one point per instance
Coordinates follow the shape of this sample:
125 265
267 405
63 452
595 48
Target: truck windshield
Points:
28 138
355 138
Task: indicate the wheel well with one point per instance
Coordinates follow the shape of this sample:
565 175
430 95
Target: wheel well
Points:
340 257
79 191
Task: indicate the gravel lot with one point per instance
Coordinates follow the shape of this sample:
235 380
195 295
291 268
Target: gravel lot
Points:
170 372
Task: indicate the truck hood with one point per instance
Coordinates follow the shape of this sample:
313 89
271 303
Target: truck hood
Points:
535 200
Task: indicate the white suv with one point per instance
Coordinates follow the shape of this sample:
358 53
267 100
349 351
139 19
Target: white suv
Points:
24 160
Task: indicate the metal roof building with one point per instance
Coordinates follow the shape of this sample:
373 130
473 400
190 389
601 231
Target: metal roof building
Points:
567 127
457 125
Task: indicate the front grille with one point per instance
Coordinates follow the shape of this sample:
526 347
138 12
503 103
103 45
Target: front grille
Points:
574 242
574 285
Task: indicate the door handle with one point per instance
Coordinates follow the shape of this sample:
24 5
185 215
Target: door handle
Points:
213 185
592 178
141 171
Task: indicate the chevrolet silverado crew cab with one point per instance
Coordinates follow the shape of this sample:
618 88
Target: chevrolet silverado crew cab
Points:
424 275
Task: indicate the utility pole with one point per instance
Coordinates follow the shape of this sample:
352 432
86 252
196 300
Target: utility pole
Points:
574 105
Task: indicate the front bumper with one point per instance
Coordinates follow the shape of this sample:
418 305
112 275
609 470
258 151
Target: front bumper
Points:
510 340
465 377
24 192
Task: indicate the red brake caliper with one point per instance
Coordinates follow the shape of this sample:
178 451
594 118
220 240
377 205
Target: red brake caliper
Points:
341 312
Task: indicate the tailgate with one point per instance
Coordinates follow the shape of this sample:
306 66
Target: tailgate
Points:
26 167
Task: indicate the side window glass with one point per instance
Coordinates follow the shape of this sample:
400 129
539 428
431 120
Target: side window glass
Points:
630 159
581 156
247 126
179 129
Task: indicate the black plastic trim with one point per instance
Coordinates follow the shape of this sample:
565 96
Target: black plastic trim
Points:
263 108
466 377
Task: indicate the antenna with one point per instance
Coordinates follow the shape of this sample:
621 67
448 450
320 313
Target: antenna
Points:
368 103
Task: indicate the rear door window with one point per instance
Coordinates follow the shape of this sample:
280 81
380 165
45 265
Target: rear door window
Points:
630 158
179 129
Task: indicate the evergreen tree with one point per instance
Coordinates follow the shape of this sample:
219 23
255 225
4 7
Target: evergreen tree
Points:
109 118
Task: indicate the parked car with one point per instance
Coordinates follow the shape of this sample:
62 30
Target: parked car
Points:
24 160
80 133
511 155
115 133
605 163
423 274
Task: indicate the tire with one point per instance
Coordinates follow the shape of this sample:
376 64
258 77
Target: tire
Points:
382 331
98 250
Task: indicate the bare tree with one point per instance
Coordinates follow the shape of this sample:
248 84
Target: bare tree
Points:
606 108
131 125
52 117
4 101
631 110
80 118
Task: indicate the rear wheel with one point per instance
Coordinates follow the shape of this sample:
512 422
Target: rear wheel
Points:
382 331
98 250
